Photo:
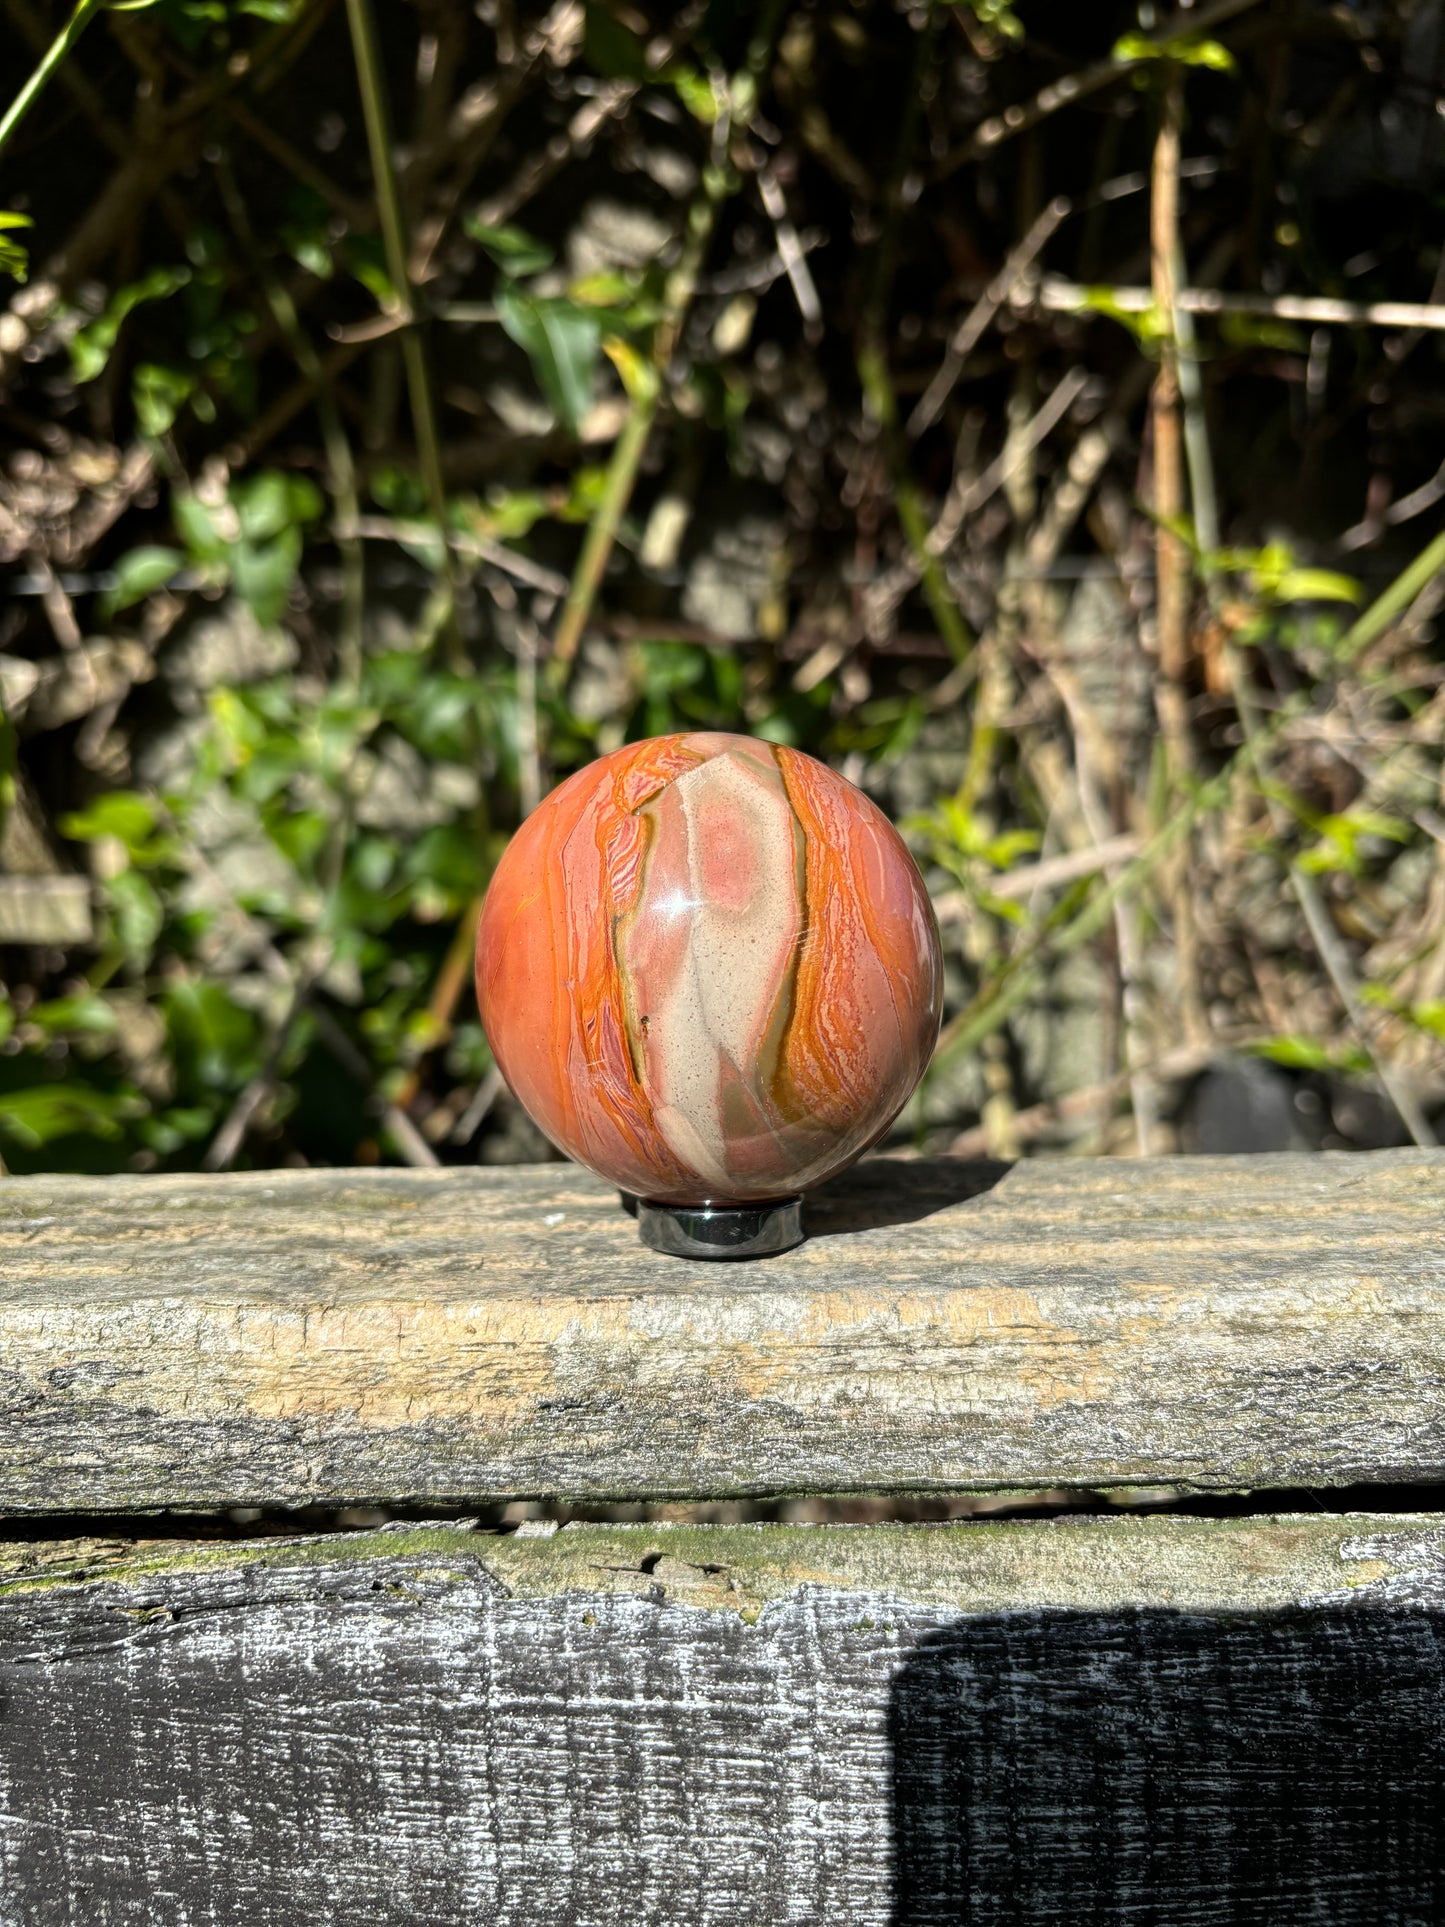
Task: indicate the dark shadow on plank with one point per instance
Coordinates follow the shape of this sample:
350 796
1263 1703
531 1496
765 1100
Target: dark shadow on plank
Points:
1260 1771
884 1191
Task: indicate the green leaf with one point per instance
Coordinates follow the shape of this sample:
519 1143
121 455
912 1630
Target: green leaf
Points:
398 491
639 377
695 91
14 259
263 574
196 525
309 248
90 349
562 341
1429 1014
213 1039
613 50
137 914
122 814
1318 585
87 1012
1307 1054
514 250
364 257
445 861
140 573
158 395
182 1124
271 502
1147 327
998 14
1188 49
1262 331
37 1116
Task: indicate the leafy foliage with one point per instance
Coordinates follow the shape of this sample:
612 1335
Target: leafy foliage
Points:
326 578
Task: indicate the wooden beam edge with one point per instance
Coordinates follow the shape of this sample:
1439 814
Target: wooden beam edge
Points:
1197 1565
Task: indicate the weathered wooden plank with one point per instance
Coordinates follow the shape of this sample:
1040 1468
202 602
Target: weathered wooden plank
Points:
1173 1720
298 1336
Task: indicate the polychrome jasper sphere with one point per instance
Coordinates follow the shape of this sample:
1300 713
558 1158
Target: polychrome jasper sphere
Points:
709 970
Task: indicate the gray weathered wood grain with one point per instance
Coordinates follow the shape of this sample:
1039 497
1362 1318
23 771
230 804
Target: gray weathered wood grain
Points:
296 1337
1174 1720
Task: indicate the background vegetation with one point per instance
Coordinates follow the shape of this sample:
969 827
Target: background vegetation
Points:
399 411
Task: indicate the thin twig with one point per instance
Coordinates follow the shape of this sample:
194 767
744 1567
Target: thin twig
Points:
1039 1119
418 375
602 529
1173 582
1059 937
1332 952
922 565
979 318
1389 607
1072 297
451 980
677 297
1072 87
341 469
1030 879
964 499
483 1098
791 252
1172 558
381 528
85 12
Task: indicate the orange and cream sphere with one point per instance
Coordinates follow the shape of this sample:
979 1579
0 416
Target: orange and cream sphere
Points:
708 969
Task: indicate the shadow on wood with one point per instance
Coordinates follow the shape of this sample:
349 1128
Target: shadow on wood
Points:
886 1191
1173 1769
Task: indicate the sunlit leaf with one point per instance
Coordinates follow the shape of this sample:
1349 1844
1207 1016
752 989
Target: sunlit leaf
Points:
14 259
1308 1054
90 348
262 573
639 377
1188 49
562 340
514 250
271 502
37 1116
86 1012
158 394
137 914
696 92
140 573
123 814
1318 585
199 527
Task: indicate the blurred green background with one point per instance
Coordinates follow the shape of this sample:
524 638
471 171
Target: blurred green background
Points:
1034 411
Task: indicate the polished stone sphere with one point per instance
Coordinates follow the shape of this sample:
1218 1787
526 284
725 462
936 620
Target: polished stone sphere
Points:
708 969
